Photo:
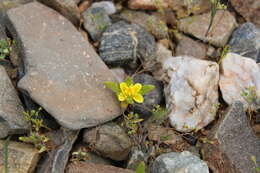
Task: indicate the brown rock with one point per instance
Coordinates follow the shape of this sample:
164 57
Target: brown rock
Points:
147 4
94 168
63 72
223 25
22 158
249 9
84 5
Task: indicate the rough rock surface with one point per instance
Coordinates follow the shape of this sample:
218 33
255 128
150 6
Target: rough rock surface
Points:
190 47
22 158
109 140
238 74
245 41
249 9
123 43
83 167
146 4
68 8
63 73
198 26
192 92
236 141
135 157
11 109
179 163
108 6
119 74
155 97
96 20
151 23
56 159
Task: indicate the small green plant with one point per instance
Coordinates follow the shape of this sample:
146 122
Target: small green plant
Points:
5 48
35 137
131 123
224 52
159 114
140 168
249 94
257 167
5 154
129 92
79 156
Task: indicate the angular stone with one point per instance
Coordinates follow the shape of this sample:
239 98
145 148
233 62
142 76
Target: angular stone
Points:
245 41
123 43
236 141
249 9
198 26
238 74
96 20
68 8
22 158
108 6
56 159
179 163
11 109
192 92
155 97
147 4
83 167
63 73
151 23
109 140
190 47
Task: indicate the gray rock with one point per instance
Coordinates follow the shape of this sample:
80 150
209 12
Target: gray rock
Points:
235 140
11 109
63 73
109 140
2 32
179 163
119 73
68 8
108 6
245 41
123 43
135 157
56 160
96 20
152 98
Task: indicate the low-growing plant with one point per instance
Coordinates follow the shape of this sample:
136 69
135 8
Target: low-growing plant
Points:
249 94
5 48
224 52
140 168
35 136
257 167
79 156
131 122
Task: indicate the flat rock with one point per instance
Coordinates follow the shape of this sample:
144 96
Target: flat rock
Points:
68 8
83 167
151 23
147 4
179 163
238 74
192 92
245 41
197 26
190 47
249 9
123 43
11 110
236 141
22 158
110 140
108 6
63 73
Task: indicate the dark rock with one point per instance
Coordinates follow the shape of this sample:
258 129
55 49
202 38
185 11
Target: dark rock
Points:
11 71
123 43
56 160
70 89
179 163
11 109
245 41
2 32
68 8
152 98
96 20
109 140
83 167
236 143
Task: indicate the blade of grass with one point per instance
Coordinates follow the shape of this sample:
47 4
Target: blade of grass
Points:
5 154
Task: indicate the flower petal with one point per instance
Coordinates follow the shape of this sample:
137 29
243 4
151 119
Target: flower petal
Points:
136 88
123 87
122 97
138 98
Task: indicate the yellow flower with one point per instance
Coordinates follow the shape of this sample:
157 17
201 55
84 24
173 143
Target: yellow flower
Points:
131 92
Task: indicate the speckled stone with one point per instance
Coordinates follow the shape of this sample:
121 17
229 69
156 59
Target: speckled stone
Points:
63 73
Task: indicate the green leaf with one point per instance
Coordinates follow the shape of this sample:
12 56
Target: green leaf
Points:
113 86
140 168
146 89
129 81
